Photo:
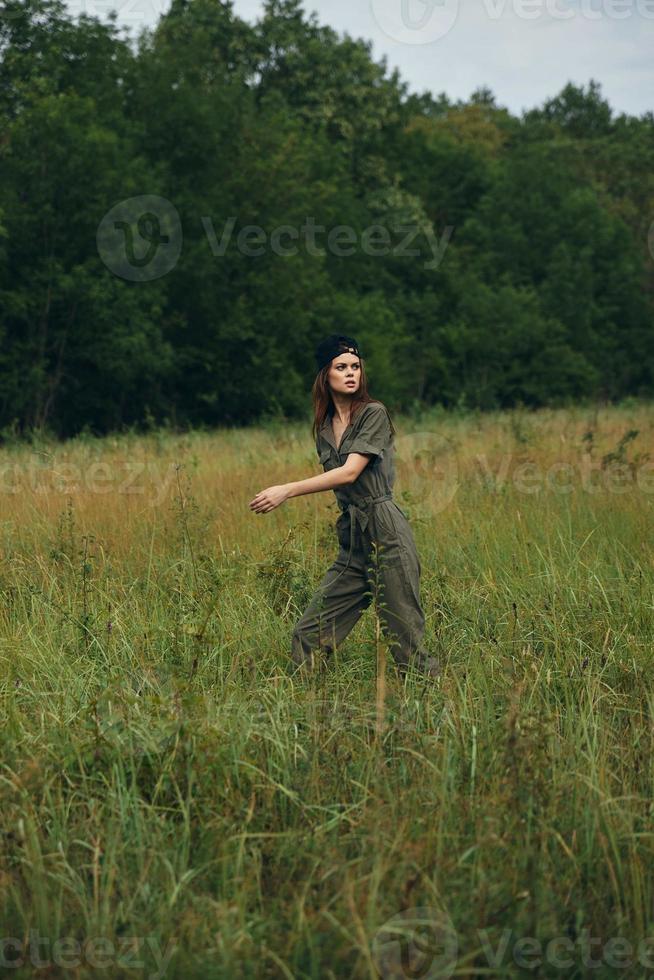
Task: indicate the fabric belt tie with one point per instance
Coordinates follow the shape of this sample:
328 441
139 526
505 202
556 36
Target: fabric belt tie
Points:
359 514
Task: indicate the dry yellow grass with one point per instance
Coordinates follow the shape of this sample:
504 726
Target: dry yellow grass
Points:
165 781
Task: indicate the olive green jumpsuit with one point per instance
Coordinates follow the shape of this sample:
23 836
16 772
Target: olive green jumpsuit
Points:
368 515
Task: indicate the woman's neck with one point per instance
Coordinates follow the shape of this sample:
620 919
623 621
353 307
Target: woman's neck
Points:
342 410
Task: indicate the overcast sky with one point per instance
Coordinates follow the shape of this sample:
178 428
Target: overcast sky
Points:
525 51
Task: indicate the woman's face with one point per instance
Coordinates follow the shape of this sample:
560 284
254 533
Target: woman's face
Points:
344 374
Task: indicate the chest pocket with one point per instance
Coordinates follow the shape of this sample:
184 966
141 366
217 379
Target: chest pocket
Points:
325 456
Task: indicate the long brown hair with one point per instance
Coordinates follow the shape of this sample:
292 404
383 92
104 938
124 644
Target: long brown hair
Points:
323 403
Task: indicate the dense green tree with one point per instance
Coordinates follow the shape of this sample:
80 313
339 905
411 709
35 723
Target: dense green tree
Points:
170 213
82 346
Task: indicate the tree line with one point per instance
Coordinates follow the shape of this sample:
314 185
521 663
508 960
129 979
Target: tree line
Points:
183 215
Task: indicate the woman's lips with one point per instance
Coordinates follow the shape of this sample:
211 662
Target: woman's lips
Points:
351 383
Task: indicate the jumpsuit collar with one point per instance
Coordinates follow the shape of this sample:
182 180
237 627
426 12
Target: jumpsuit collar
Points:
327 433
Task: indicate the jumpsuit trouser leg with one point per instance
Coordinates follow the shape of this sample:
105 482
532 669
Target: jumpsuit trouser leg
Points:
390 575
334 610
397 575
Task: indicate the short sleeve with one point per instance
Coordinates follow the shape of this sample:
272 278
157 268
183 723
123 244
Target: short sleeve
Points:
373 433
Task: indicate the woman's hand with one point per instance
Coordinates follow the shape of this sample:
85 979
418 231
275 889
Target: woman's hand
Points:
267 500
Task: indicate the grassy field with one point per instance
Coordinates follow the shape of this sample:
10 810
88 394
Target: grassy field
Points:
174 804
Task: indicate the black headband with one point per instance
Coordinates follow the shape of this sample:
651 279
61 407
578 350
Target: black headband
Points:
334 345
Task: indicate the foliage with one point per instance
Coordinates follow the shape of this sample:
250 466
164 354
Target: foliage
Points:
513 265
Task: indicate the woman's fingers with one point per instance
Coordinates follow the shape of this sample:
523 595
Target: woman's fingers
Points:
262 503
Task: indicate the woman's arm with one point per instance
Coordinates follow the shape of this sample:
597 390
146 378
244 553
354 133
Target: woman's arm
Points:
340 476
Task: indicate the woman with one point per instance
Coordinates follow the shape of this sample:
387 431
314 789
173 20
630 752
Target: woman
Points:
354 441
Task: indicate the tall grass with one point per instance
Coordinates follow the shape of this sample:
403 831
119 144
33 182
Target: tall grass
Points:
169 789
